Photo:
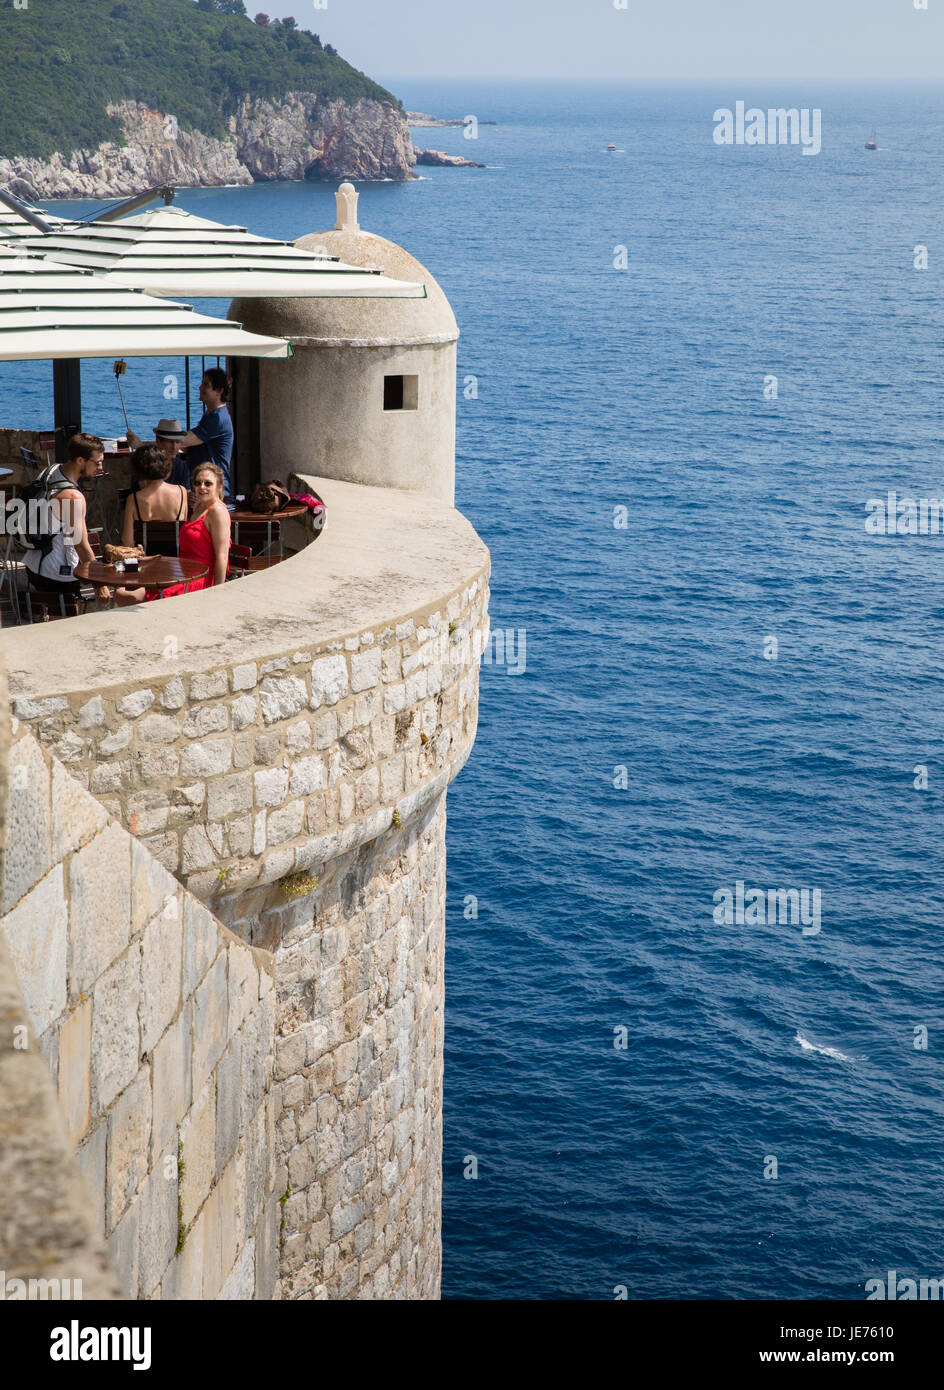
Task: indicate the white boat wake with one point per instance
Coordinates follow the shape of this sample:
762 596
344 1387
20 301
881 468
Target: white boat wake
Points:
833 1052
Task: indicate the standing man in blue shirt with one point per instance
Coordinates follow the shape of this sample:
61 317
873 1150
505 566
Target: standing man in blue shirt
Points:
211 441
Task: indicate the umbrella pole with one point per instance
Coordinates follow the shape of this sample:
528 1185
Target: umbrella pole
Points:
67 402
187 387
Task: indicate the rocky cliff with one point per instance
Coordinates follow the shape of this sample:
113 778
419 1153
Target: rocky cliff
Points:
297 137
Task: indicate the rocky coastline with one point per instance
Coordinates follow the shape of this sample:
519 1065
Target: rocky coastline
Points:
441 160
299 137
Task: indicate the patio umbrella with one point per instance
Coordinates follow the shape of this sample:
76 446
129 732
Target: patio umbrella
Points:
172 252
49 310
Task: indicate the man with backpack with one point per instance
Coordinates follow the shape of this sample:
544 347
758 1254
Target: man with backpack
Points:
61 541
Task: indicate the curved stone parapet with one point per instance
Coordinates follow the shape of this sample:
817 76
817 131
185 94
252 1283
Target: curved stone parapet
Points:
283 744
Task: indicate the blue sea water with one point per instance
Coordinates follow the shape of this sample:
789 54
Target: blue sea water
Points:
644 648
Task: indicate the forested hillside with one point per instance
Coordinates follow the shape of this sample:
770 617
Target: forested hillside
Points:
64 61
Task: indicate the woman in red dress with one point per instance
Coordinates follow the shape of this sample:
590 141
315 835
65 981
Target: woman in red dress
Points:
205 537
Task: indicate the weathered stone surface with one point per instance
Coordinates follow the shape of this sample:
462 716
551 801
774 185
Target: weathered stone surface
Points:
115 1029
209 1022
329 681
158 1221
36 933
129 1139
281 699
161 955
27 851
207 759
198 1139
172 1071
99 906
75 1069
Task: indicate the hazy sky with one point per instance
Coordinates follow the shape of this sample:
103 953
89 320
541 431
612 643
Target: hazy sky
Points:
659 40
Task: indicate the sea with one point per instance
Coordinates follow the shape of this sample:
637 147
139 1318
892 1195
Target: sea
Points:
685 371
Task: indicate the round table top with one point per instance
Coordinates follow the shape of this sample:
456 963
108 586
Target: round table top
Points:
155 572
296 509
6 472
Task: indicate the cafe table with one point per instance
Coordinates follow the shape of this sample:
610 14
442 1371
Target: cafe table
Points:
154 572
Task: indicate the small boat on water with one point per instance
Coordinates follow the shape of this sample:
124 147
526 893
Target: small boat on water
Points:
611 147
871 143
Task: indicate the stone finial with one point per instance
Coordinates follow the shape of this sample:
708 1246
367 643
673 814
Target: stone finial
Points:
347 197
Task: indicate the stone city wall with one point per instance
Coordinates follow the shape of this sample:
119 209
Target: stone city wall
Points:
263 770
156 1025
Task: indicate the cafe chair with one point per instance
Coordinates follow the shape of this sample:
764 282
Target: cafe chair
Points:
262 537
158 537
240 557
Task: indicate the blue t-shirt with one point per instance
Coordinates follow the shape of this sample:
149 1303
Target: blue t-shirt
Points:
216 431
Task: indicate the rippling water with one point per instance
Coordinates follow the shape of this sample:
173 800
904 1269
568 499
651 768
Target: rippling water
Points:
643 388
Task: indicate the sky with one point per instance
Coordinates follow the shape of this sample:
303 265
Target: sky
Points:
865 41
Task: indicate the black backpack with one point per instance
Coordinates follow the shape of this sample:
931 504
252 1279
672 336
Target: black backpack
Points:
39 525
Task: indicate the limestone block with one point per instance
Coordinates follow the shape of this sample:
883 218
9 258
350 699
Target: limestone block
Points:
267 1251
198 852
209 1022
201 943
207 719
286 823
232 1188
395 699
184 1279
282 698
303 1164
391 778
28 836
100 905
391 664
172 1067
70 748
198 1140
239 836
115 741
135 704
129 1139
91 1163
240 1286
107 777
161 966
123 1248
271 786
329 681
307 776
153 764
164 848
367 790
157 1234
207 759
227 1102
159 728
115 1048
257 1046
405 629
367 708
325 729
259 833
36 932
244 677
244 711
75 1067
243 986
257 1149
174 696
29 710
289 1055
92 713
228 796
297 736
277 864
365 669
209 687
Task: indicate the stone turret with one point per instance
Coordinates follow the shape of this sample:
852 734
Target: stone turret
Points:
371 396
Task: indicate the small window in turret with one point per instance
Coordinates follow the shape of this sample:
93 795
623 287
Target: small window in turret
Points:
401 392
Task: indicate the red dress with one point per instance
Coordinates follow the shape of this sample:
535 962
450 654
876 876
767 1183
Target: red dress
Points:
194 543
